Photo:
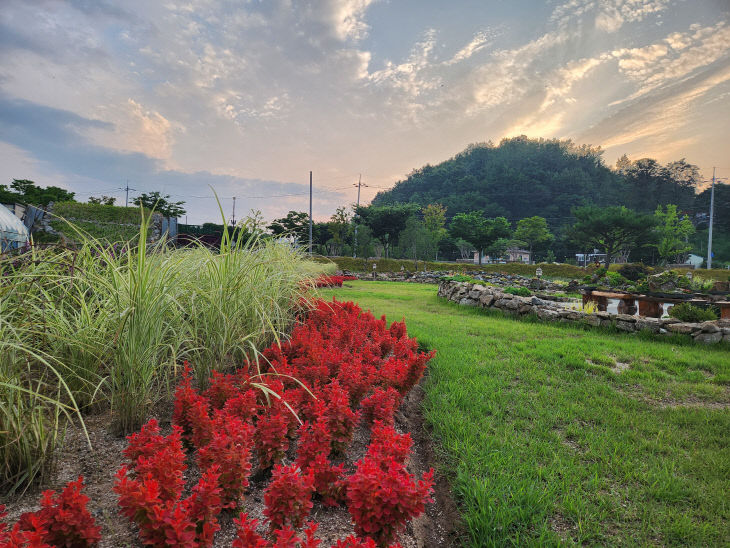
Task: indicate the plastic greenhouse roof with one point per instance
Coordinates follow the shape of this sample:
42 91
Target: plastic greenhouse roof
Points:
11 228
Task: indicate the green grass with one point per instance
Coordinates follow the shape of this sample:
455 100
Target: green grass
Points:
548 444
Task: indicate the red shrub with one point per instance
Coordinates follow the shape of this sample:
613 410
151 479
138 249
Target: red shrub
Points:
246 536
328 480
382 496
271 438
191 522
222 388
340 419
33 537
314 439
63 520
381 405
242 406
287 538
191 413
162 458
288 497
386 443
230 450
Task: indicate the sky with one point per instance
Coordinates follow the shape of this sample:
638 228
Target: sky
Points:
244 98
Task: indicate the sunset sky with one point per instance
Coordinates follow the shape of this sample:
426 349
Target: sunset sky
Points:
247 97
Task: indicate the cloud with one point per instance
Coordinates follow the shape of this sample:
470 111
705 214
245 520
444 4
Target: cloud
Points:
56 139
674 57
606 15
480 41
659 118
348 18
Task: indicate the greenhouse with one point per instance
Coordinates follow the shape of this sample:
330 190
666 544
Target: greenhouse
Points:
13 233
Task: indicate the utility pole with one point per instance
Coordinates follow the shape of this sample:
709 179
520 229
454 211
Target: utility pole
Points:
127 189
358 185
310 213
233 217
712 211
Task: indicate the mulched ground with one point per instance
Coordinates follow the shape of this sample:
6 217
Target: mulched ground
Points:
439 526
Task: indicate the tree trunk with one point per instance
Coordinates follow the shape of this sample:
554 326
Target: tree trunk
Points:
608 259
530 253
480 257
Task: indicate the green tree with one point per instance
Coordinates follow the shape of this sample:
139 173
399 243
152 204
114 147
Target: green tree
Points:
161 204
672 233
387 222
416 241
478 231
611 229
27 192
434 219
338 226
533 231
295 223
104 200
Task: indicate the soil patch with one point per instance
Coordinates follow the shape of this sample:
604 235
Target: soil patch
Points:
438 526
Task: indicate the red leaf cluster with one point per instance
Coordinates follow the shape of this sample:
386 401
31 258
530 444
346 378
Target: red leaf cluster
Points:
288 497
63 520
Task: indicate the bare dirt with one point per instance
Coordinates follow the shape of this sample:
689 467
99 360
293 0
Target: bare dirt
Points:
438 526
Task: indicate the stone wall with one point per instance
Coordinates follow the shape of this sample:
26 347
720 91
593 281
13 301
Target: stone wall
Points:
467 294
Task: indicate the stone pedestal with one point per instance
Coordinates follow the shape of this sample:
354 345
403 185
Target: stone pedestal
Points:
651 309
601 302
627 306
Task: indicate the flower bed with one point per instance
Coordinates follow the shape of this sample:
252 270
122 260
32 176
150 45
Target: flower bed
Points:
293 418
332 281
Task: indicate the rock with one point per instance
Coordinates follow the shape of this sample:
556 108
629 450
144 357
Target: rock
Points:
486 299
709 338
466 301
592 319
683 328
648 324
537 302
477 291
709 327
626 318
547 314
625 326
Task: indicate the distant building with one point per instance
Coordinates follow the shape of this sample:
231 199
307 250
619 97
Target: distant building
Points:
584 259
515 255
512 255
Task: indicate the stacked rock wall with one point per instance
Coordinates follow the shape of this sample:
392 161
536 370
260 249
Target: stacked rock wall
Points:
467 294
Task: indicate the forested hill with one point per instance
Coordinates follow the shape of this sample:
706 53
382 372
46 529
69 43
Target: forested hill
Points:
524 177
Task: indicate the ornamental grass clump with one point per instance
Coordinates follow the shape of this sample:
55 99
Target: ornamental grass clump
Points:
98 325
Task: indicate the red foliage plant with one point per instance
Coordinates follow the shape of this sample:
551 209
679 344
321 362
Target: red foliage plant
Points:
271 438
382 496
230 449
159 457
340 419
63 520
381 405
314 438
288 497
191 522
387 444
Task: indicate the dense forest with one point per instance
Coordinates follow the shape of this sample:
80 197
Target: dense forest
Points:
525 177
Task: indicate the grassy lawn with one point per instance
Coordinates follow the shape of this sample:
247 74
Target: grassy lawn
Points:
554 435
